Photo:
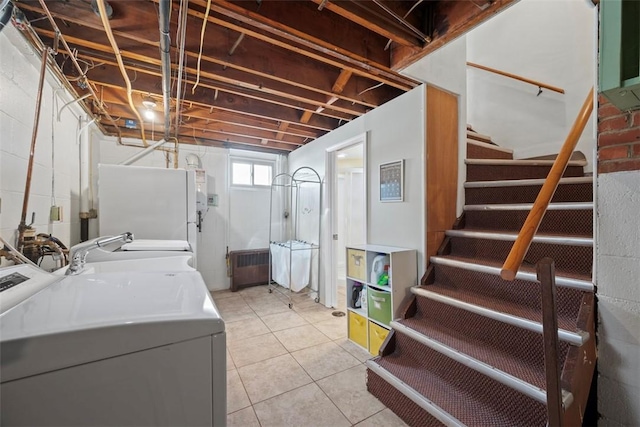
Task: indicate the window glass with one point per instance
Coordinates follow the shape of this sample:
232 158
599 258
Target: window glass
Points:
262 174
241 174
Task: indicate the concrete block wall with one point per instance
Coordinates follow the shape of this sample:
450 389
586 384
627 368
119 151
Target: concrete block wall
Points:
618 265
56 161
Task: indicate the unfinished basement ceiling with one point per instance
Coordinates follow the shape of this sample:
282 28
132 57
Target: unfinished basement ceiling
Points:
274 75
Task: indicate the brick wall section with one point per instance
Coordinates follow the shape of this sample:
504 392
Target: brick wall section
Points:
618 138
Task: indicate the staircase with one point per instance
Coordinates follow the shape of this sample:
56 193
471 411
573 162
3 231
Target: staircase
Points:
468 348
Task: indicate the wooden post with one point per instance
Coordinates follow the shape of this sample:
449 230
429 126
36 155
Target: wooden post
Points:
547 278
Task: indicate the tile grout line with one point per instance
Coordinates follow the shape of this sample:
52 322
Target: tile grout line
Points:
313 381
320 388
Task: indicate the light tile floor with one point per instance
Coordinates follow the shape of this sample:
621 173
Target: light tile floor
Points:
294 367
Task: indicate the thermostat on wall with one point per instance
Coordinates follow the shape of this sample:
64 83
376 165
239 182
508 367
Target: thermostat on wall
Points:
212 200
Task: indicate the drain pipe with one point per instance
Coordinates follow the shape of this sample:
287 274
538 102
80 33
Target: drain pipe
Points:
142 153
86 213
22 227
165 50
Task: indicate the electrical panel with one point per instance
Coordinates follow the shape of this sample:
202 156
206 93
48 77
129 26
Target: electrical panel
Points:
620 53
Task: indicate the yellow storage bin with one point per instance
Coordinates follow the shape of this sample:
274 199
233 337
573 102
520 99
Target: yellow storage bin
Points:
356 264
377 335
358 329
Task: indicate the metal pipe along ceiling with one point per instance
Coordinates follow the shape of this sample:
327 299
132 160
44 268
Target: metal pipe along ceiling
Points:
165 49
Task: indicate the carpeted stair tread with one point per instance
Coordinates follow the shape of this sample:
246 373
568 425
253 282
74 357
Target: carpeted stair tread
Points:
483 150
465 394
570 261
519 298
527 194
407 410
492 230
430 349
513 350
505 172
508 307
568 222
526 267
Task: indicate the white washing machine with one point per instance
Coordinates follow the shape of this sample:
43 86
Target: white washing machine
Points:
110 349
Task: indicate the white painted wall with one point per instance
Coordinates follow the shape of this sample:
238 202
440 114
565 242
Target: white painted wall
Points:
617 272
249 209
395 131
239 221
19 75
549 41
446 69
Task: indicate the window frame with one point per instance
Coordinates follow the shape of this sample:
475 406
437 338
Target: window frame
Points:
252 163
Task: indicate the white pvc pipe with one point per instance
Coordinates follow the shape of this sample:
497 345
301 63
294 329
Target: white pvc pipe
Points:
85 165
142 153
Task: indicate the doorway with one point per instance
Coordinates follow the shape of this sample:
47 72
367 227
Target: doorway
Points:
348 219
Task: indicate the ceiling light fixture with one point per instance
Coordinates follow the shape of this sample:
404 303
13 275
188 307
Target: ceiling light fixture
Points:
148 102
107 7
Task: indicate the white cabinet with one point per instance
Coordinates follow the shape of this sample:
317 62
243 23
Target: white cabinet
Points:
379 279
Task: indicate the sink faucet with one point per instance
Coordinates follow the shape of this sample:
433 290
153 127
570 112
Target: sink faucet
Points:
79 252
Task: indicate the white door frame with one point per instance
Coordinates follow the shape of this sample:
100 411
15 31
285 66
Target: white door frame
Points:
331 186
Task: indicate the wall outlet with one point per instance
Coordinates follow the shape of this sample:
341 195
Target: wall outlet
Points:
55 214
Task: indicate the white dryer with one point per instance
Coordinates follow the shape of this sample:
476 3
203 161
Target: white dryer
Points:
111 349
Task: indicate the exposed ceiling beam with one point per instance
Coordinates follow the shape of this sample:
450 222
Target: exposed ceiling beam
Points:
359 13
118 106
454 18
240 70
230 85
341 81
315 48
208 141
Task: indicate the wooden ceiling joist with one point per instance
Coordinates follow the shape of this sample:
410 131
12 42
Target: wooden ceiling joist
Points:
228 85
273 75
244 70
359 13
316 48
120 108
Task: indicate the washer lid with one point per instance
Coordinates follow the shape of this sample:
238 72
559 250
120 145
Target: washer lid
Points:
90 317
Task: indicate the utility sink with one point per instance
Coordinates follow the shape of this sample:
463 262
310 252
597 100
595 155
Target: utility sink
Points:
155 264
148 256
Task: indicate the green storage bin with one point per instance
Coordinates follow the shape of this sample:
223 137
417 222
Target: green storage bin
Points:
379 305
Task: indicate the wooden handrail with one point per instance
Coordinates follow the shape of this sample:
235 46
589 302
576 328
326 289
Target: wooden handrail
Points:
531 224
517 77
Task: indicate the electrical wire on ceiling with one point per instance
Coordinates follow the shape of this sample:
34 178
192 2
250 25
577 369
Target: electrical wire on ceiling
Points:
123 71
371 88
181 38
405 15
35 38
204 28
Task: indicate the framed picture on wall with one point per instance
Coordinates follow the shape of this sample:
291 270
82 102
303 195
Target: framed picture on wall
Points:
392 181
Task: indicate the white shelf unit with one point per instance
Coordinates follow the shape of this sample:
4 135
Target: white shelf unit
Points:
368 326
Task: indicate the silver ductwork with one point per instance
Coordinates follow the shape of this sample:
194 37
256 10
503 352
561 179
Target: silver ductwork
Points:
6 8
165 57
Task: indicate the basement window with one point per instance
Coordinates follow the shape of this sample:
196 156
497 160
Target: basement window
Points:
249 173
